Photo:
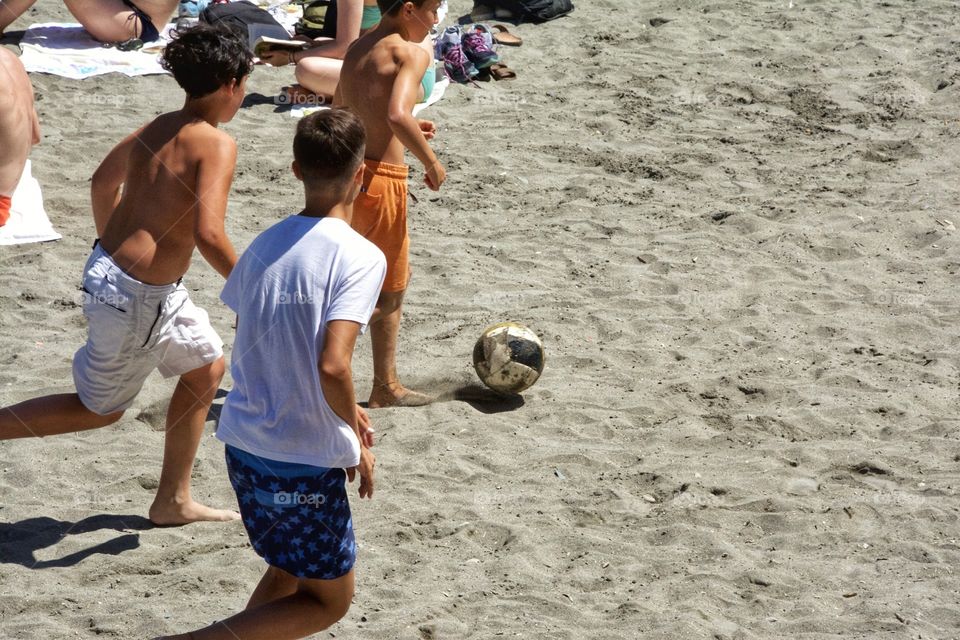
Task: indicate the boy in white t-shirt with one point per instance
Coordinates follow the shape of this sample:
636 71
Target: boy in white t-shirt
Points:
303 291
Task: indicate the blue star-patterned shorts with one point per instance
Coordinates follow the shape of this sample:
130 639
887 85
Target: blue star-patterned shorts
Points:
297 515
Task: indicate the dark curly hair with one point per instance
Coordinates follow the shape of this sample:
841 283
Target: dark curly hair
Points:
203 58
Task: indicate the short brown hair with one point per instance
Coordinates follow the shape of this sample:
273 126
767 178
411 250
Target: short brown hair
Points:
329 145
392 7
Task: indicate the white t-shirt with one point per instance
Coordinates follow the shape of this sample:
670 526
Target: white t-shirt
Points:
295 277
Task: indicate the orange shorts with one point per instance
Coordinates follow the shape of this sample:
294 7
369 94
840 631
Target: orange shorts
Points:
5 203
380 216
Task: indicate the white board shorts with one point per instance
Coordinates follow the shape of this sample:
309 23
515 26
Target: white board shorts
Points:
134 328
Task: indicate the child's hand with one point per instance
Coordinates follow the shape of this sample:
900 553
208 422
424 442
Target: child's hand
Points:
367 460
428 129
366 429
436 175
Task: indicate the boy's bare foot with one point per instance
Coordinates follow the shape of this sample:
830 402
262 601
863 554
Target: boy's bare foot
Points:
394 394
174 514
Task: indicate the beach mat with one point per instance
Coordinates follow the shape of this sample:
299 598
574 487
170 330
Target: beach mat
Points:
68 50
28 219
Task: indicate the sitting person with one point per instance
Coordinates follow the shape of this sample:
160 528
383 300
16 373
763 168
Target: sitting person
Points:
19 127
318 68
110 21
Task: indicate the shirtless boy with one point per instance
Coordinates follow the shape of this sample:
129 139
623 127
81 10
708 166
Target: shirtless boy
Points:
157 195
19 127
106 20
380 81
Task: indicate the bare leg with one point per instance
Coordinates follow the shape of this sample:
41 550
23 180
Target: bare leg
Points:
275 584
315 606
186 416
320 75
384 330
50 416
10 10
113 21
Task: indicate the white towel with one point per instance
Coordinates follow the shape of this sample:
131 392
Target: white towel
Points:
67 50
28 219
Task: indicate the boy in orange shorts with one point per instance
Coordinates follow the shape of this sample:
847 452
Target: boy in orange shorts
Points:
380 81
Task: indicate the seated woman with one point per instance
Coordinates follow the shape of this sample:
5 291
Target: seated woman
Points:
318 68
106 20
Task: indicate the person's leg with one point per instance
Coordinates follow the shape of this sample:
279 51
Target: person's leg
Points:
10 10
186 416
275 584
319 75
50 416
115 21
384 330
316 605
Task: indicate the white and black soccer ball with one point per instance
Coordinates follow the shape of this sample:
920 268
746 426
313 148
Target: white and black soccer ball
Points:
508 357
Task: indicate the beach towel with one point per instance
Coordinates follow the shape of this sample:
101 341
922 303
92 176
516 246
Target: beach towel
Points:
299 111
67 50
28 219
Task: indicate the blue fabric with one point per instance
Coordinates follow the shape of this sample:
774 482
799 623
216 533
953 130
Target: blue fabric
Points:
296 515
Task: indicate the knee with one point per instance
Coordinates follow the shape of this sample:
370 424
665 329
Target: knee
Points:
205 379
389 302
338 607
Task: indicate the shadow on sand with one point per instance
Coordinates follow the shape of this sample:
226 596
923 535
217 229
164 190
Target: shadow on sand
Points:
20 541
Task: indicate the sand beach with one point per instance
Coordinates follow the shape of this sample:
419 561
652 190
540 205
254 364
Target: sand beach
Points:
732 223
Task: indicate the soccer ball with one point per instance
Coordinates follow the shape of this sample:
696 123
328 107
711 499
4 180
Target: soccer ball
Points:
508 357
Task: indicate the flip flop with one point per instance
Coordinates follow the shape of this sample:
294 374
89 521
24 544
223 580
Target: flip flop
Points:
502 72
502 35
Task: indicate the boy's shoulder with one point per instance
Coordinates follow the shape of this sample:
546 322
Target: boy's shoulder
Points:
200 135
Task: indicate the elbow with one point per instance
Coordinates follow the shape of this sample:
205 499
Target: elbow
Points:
334 370
208 238
396 117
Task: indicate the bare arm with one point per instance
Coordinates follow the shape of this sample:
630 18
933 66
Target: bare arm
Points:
336 381
214 175
108 180
413 64
349 17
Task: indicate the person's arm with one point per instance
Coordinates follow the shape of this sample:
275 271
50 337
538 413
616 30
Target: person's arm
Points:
406 87
107 182
214 175
349 17
336 381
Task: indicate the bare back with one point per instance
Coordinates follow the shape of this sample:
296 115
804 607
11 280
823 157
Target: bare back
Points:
151 234
367 82
19 129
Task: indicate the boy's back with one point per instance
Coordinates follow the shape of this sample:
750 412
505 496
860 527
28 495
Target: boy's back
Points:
296 277
151 233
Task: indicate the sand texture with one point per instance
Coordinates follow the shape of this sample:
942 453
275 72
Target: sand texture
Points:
734 231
